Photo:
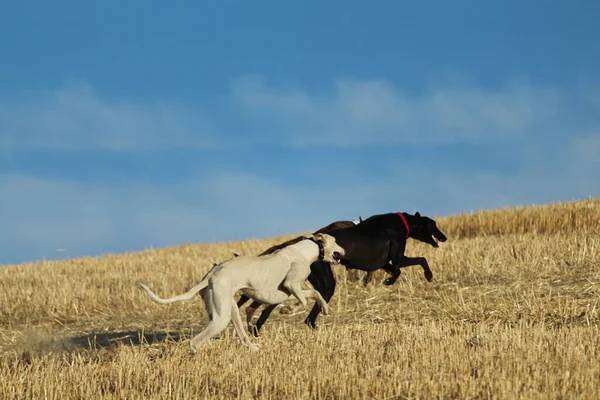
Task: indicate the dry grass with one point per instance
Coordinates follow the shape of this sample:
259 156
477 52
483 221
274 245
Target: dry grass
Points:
514 312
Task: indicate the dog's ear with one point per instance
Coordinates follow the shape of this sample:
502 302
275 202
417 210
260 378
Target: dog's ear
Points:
319 237
417 215
360 219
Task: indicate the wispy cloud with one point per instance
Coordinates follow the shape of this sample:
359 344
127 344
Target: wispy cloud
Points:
349 113
42 215
586 147
75 117
356 113
557 143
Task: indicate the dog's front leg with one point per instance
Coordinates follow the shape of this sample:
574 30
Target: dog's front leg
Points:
313 294
409 261
322 279
293 280
295 288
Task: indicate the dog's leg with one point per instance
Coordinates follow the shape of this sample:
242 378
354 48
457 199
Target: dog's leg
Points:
250 310
404 262
313 294
243 300
399 260
239 327
322 279
263 318
214 328
218 305
293 280
368 278
397 246
295 288
394 274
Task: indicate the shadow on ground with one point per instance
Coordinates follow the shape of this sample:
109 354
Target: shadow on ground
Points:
126 338
38 344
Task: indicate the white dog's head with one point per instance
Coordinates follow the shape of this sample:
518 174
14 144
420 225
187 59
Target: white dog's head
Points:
333 252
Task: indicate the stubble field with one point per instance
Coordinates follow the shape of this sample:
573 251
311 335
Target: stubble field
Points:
513 312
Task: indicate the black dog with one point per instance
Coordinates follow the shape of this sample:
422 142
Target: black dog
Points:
372 245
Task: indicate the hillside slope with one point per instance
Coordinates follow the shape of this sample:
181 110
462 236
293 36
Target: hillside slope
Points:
514 310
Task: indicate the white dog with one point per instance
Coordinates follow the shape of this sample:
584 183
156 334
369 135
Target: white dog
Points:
269 279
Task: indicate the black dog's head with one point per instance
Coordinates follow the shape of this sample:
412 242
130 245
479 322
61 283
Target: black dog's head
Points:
425 229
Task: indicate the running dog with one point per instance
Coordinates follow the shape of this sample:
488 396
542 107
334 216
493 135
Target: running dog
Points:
376 243
268 279
315 279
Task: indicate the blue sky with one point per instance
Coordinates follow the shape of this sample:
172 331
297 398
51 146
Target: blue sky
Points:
129 125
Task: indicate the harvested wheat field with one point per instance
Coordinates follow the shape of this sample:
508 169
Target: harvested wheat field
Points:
513 312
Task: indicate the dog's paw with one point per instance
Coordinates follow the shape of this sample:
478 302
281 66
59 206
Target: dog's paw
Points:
253 347
253 331
389 281
429 275
311 324
325 309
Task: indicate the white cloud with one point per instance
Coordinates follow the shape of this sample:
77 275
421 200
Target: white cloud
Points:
558 145
375 112
75 117
350 113
42 215
586 147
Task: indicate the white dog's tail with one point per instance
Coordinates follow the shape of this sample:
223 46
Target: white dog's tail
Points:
181 297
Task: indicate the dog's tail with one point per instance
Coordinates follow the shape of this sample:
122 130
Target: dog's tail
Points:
181 297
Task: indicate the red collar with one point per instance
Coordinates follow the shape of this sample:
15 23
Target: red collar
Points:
405 223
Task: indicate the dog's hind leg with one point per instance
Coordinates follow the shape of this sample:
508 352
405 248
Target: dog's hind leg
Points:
394 274
218 305
243 300
263 318
397 245
368 278
239 327
250 311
